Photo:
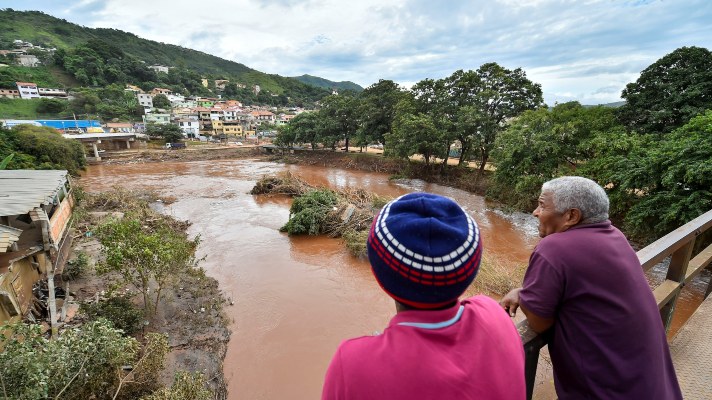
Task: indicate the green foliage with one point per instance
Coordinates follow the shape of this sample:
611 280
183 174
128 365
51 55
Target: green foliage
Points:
356 242
41 148
186 386
161 101
6 161
327 84
24 109
377 111
51 106
119 310
171 133
675 180
543 144
41 75
669 92
415 134
96 57
309 211
76 267
82 363
148 257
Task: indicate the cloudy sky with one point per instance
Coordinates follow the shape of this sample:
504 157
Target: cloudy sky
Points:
584 50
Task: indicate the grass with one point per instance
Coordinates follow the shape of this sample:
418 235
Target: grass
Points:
497 277
18 108
42 76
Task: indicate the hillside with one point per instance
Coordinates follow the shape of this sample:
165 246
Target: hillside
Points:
327 84
48 31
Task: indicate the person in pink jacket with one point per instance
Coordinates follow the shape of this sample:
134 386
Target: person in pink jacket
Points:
425 251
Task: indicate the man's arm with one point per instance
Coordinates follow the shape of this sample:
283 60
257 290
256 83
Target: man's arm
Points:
537 323
510 303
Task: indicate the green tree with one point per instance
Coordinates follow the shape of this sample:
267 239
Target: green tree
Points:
161 101
339 113
41 148
304 128
543 144
500 95
674 181
51 106
171 133
146 257
413 133
377 111
82 363
669 92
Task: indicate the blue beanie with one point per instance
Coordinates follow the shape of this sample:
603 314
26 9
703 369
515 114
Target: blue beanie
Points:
424 250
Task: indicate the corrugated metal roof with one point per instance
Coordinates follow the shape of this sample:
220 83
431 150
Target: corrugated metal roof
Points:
8 236
23 190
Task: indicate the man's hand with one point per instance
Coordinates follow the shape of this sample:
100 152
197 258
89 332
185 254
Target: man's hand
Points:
510 302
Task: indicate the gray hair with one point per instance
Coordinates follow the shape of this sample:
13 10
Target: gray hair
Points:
584 194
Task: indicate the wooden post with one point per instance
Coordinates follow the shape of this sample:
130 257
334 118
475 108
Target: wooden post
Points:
676 272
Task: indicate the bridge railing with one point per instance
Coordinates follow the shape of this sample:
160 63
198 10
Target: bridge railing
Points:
683 267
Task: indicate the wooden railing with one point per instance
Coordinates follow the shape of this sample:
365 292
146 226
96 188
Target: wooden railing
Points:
683 267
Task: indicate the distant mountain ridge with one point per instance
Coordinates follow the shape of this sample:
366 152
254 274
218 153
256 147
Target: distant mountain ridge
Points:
48 31
327 84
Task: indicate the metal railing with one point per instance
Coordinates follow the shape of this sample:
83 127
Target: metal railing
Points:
679 245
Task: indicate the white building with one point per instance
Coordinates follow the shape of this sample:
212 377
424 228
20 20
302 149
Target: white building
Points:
145 100
189 126
159 68
28 90
175 99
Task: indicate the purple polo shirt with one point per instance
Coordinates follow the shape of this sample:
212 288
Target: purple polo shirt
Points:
609 341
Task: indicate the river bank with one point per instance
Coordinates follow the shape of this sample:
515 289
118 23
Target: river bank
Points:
464 178
190 310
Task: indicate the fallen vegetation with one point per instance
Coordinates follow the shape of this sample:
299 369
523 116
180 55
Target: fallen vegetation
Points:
348 214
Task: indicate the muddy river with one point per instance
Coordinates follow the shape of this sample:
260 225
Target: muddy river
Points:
294 298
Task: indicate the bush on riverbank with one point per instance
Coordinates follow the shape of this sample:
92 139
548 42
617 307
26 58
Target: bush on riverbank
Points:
190 311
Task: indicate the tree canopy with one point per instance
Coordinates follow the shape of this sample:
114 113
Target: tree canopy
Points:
40 148
669 92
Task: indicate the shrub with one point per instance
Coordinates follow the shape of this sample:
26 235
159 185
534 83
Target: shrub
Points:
356 242
309 211
76 267
119 310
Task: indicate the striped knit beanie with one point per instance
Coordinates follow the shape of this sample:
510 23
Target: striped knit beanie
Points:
424 250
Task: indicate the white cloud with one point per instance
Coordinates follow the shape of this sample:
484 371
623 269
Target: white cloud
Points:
573 48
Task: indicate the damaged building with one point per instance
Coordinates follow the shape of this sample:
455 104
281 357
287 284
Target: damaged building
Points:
35 212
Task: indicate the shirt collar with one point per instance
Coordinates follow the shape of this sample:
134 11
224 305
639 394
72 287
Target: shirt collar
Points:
428 317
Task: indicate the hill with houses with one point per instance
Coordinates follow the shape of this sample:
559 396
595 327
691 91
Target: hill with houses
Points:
49 36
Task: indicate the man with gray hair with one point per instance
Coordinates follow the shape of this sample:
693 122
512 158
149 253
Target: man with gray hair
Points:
586 282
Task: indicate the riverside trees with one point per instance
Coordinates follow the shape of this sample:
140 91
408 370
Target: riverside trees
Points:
652 155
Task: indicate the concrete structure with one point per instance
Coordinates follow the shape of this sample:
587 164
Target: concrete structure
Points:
162 91
28 90
189 126
145 99
119 127
156 118
159 68
28 60
100 142
53 93
10 93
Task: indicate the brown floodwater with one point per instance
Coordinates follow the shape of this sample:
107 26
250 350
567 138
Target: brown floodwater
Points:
295 298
